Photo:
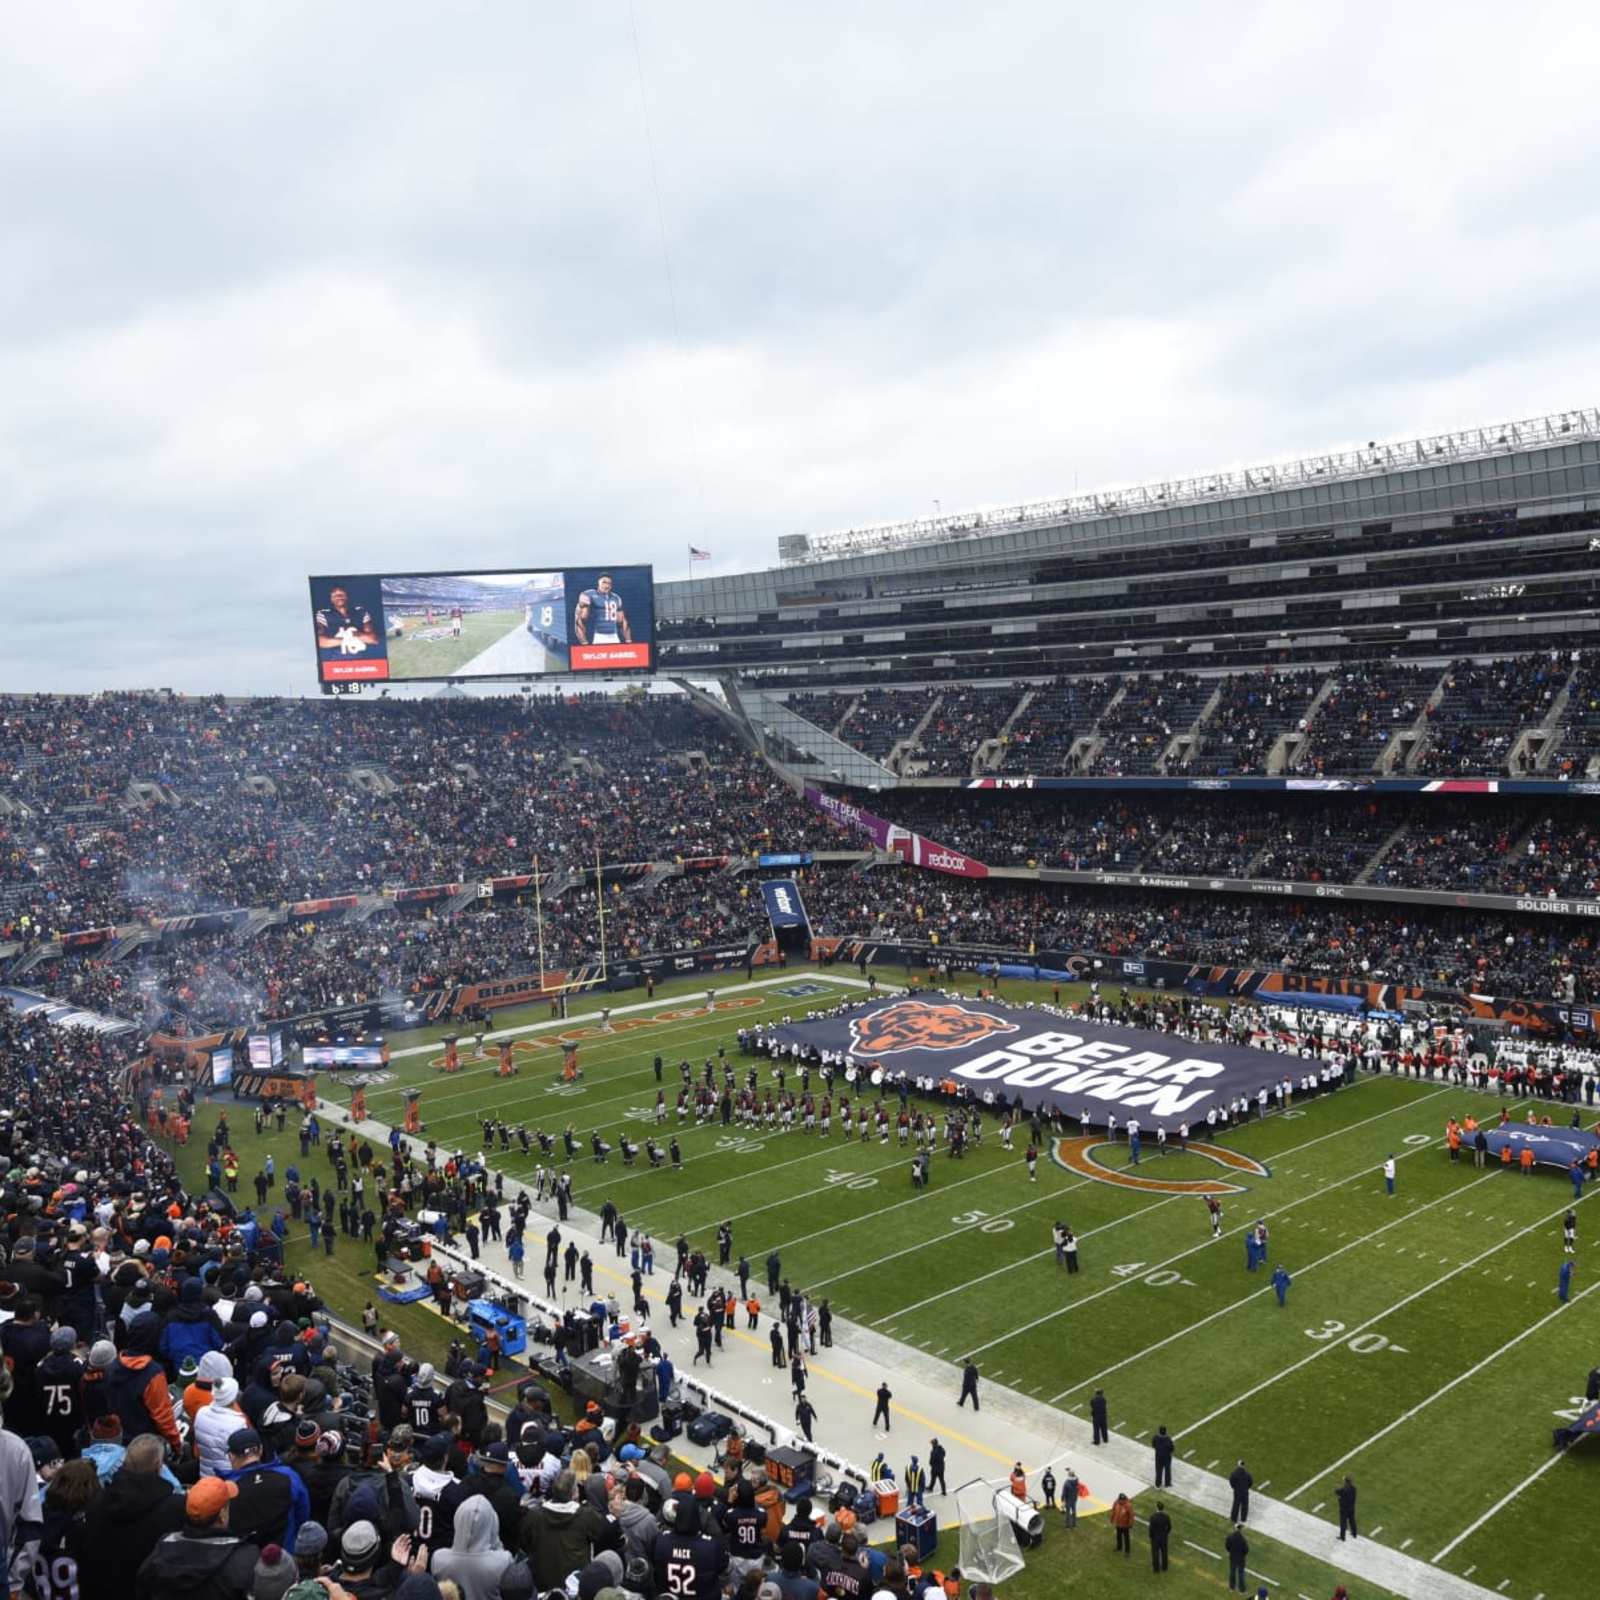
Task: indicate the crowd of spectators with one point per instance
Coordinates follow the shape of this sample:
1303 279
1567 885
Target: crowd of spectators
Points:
1540 959
1253 710
179 1419
129 808
1343 719
1043 732
1482 710
1135 731
965 717
1366 706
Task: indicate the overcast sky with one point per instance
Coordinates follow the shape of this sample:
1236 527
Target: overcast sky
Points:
296 289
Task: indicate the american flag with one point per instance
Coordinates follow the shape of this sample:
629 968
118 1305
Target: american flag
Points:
699 555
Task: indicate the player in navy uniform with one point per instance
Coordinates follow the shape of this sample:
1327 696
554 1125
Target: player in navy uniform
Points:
344 629
600 618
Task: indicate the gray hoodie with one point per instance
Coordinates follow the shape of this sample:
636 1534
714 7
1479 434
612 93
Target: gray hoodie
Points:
477 1558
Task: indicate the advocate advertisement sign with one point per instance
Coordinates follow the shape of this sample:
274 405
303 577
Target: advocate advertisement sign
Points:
1039 1059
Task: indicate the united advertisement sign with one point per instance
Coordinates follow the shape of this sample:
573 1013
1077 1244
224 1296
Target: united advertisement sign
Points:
1036 1058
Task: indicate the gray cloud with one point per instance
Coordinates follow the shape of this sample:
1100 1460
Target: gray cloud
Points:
383 288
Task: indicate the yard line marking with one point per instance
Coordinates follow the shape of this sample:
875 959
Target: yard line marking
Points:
1228 1310
1405 1544
1198 1249
1202 1549
1376 1531
1399 1305
1500 1505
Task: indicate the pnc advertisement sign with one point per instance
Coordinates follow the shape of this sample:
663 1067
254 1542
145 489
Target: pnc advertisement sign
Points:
1039 1059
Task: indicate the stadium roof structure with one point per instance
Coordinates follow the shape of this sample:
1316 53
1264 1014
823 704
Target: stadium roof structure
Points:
1376 456
1483 543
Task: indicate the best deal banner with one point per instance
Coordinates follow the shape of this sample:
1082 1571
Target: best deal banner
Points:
1039 1059
785 909
919 851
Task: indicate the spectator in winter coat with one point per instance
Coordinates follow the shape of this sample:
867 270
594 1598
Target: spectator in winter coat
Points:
138 1508
203 1557
560 1533
476 1558
136 1384
192 1329
215 1424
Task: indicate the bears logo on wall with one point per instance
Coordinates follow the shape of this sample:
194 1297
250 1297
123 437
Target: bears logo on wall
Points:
922 1025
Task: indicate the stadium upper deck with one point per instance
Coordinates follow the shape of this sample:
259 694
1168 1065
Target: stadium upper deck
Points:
1483 543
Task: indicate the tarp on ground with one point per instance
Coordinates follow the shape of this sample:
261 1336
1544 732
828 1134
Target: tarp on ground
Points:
1552 1147
1039 1059
1585 1425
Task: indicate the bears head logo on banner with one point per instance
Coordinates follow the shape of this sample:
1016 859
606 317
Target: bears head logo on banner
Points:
922 1025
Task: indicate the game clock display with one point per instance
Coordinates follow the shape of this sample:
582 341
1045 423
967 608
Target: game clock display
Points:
420 627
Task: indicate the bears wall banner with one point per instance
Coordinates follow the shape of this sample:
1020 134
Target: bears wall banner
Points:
1039 1059
785 909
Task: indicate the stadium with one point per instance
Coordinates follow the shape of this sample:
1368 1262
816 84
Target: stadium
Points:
1293 766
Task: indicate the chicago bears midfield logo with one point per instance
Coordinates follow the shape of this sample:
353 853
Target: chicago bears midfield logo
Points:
922 1025
1075 1155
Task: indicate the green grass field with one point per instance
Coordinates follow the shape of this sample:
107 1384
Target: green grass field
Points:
1422 1349
441 655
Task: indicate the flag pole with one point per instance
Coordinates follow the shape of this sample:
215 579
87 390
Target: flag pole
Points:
538 919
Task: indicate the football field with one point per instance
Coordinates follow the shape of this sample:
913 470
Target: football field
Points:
434 652
1422 1347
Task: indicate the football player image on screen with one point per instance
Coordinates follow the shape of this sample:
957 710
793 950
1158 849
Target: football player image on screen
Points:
344 628
599 617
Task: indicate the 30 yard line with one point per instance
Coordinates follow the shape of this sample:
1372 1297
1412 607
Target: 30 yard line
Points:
1438 1394
1399 1305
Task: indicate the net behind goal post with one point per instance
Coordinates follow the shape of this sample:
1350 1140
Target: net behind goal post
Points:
990 1551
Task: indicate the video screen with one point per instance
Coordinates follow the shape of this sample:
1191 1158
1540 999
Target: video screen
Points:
342 1055
265 1049
432 626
